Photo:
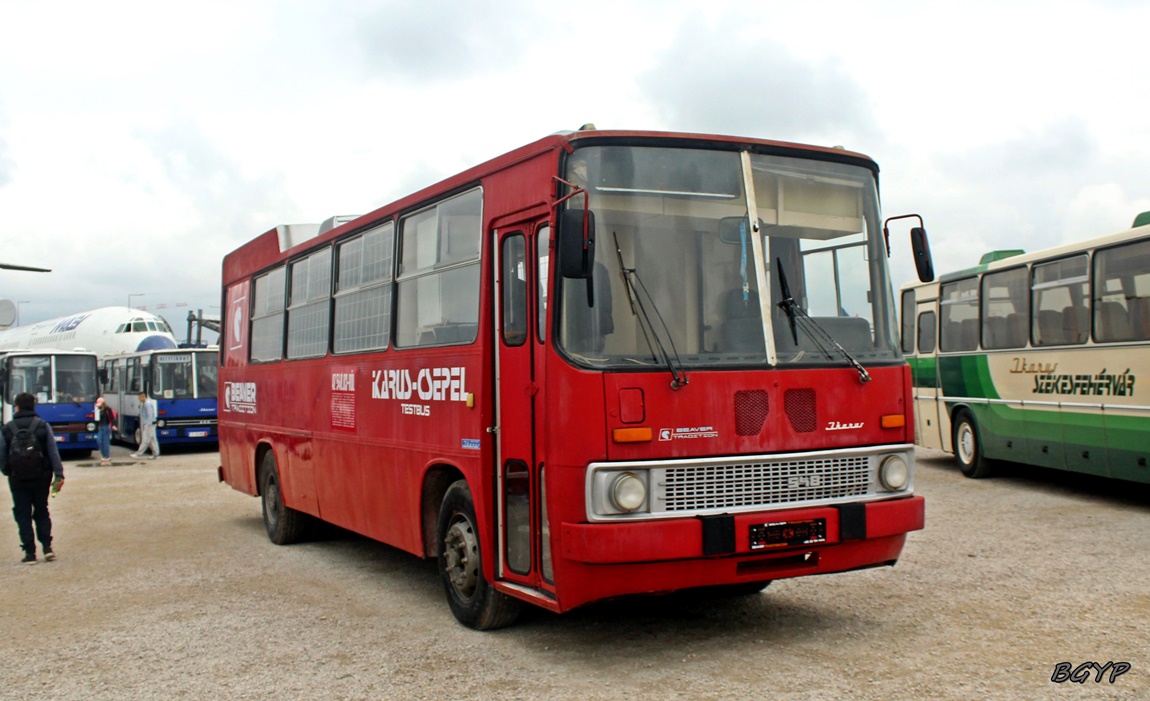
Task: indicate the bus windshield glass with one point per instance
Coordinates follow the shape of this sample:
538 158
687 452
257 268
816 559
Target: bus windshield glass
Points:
73 379
687 237
172 376
207 373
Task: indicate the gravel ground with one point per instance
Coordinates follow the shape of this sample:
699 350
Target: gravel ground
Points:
166 587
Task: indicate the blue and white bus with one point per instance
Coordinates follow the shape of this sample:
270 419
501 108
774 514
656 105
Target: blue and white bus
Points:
182 381
64 384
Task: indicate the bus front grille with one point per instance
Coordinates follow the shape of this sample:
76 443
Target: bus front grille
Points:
762 483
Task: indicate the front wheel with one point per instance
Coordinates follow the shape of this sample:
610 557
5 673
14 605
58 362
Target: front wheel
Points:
968 448
472 599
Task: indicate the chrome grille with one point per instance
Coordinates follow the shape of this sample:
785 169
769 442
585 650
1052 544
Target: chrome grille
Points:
765 483
189 422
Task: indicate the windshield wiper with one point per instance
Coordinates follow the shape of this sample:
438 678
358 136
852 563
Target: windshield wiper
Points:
650 334
798 317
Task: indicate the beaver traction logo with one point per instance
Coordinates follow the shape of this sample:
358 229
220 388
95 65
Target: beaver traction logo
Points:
687 433
240 397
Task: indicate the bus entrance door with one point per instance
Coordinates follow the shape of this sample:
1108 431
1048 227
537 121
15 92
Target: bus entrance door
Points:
517 405
928 420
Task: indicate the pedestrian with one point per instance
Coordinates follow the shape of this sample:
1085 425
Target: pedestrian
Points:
106 421
148 414
29 459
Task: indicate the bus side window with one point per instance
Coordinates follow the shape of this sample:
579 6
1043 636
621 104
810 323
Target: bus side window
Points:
1122 293
513 277
908 322
543 253
926 332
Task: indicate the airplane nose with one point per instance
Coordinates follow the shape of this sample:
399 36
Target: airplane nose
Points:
155 343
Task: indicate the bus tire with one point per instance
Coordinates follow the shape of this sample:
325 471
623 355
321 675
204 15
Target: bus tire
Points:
968 448
283 524
473 601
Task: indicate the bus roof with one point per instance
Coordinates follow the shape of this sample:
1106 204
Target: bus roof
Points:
276 243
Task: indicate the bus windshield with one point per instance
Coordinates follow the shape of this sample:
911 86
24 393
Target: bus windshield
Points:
72 379
686 238
207 374
185 375
172 376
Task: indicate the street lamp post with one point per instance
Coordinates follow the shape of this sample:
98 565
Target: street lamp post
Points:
134 294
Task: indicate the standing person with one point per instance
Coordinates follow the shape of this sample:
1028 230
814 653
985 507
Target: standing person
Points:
29 459
149 412
106 420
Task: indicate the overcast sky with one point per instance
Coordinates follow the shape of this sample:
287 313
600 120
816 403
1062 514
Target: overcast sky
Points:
142 141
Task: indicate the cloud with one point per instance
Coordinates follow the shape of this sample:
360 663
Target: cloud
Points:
7 165
442 40
726 79
228 202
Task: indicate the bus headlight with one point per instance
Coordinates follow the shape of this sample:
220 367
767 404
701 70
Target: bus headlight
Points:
628 492
91 426
160 423
894 472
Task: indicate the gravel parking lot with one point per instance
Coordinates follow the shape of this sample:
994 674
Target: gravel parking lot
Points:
166 587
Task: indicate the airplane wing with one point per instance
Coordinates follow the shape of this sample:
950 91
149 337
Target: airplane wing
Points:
9 266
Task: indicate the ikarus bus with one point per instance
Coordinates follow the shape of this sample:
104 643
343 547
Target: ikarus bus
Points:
1039 358
183 382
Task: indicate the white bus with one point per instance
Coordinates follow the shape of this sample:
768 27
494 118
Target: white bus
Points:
1040 358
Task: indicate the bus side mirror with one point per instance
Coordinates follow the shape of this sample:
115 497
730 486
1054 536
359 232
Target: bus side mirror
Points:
103 372
576 238
921 248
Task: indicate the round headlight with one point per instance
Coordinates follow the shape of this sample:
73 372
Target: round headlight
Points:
91 426
160 423
629 492
894 472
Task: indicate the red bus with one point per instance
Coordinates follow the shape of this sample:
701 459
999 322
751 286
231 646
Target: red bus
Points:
555 372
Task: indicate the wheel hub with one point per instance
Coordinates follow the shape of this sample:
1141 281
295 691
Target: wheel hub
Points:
966 443
461 553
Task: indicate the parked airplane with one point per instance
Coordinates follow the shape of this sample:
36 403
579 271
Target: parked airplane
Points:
102 331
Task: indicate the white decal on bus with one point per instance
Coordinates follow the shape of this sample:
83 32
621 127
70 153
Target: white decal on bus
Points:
429 385
240 397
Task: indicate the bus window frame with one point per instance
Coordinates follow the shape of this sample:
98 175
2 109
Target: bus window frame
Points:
933 348
1067 282
255 315
983 300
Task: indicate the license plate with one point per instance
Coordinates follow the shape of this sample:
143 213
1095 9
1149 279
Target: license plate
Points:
783 534
197 434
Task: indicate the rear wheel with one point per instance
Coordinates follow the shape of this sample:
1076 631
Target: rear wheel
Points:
472 599
968 446
283 524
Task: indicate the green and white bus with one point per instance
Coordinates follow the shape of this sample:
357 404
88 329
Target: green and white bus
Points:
1039 358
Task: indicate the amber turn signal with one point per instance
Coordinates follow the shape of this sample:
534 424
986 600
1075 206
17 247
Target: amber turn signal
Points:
632 435
894 421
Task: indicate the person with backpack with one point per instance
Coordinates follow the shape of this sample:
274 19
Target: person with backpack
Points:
106 420
29 459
